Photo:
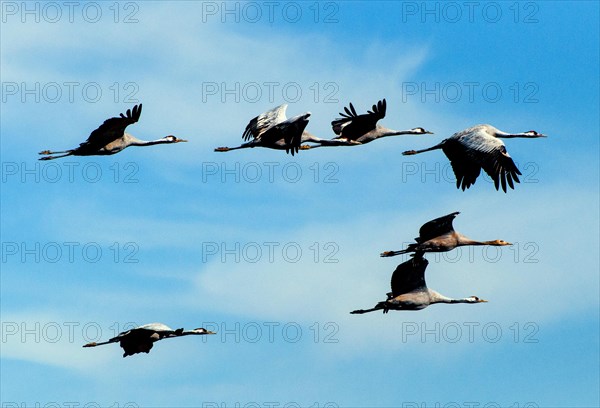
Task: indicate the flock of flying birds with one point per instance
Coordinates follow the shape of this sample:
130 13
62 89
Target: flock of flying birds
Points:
469 151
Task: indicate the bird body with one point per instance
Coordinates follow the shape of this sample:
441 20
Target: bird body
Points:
479 147
141 339
273 130
111 138
438 235
410 291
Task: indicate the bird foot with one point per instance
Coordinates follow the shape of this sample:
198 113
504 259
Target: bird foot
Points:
92 344
46 158
305 147
222 149
45 152
409 152
386 253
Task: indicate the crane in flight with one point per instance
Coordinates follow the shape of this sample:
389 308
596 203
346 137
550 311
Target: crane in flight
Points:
111 138
410 292
142 338
439 236
273 130
353 129
479 147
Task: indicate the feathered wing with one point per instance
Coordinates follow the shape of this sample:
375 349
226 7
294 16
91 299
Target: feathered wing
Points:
145 330
502 169
470 153
157 327
352 126
260 124
111 130
409 276
465 169
289 130
435 228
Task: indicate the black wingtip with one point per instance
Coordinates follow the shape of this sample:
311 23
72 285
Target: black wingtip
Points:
353 110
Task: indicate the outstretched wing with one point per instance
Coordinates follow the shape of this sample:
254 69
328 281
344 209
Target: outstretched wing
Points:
260 124
501 168
352 126
437 227
465 169
409 276
111 129
471 152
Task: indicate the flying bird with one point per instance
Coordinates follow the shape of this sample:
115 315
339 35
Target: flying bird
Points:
480 147
142 338
439 236
273 130
410 292
353 129
111 138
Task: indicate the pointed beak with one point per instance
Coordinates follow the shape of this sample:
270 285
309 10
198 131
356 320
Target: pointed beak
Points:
181 140
427 132
210 332
482 301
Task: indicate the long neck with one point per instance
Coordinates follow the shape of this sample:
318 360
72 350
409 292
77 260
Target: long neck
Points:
436 297
504 135
391 132
179 334
138 142
462 240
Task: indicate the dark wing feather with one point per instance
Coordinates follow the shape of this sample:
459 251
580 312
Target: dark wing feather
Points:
289 130
471 150
489 153
352 126
501 168
111 130
409 276
465 169
437 227
136 341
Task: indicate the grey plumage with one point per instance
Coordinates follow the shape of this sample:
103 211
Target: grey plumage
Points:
273 130
438 235
410 291
479 147
142 338
110 138
353 129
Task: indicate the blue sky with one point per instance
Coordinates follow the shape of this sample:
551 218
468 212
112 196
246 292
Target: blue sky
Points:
273 251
